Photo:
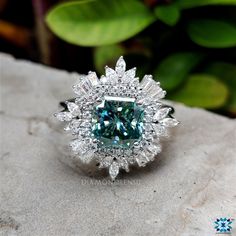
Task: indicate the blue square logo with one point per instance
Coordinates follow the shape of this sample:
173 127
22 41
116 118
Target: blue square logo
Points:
223 225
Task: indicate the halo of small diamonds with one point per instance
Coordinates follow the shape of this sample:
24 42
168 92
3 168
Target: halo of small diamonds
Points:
118 85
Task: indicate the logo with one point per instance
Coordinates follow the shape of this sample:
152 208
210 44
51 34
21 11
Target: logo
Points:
223 225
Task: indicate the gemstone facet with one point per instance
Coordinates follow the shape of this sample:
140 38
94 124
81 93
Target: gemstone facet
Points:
117 122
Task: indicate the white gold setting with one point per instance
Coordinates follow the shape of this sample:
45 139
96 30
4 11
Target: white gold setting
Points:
119 85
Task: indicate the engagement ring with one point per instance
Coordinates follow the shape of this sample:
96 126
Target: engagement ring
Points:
117 120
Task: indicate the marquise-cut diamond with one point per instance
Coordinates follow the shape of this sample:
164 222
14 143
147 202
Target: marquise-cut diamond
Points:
161 114
64 116
111 75
129 75
169 122
114 170
120 66
118 122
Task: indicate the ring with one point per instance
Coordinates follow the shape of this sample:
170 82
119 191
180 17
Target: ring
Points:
117 120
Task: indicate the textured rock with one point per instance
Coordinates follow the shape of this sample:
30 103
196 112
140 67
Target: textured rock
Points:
192 183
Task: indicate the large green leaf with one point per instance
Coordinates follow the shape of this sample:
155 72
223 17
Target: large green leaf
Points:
107 55
212 33
202 90
199 3
169 14
98 22
227 73
173 70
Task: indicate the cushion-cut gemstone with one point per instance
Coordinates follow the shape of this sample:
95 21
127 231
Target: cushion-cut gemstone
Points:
118 122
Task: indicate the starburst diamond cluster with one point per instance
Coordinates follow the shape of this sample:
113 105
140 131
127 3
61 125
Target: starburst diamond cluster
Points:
117 120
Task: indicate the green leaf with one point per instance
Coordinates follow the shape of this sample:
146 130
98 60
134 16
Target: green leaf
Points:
227 73
212 33
169 14
98 22
173 70
198 3
107 55
202 90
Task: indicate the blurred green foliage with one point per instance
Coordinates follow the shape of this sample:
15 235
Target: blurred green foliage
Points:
189 45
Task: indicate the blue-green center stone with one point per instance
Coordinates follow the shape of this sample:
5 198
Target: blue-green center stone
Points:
117 122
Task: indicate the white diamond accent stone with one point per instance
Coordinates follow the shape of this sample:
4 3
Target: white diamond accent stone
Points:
86 124
161 114
147 82
148 127
104 79
87 156
92 77
149 155
120 66
75 126
124 164
77 89
83 86
64 116
67 127
86 85
160 130
142 160
154 149
106 161
114 170
169 122
73 108
76 145
129 75
156 92
111 75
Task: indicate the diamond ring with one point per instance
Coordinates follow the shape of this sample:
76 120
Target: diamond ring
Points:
117 120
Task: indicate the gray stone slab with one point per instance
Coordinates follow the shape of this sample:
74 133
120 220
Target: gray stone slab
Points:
192 182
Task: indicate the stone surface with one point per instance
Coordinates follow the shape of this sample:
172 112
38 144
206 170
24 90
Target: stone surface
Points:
181 193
